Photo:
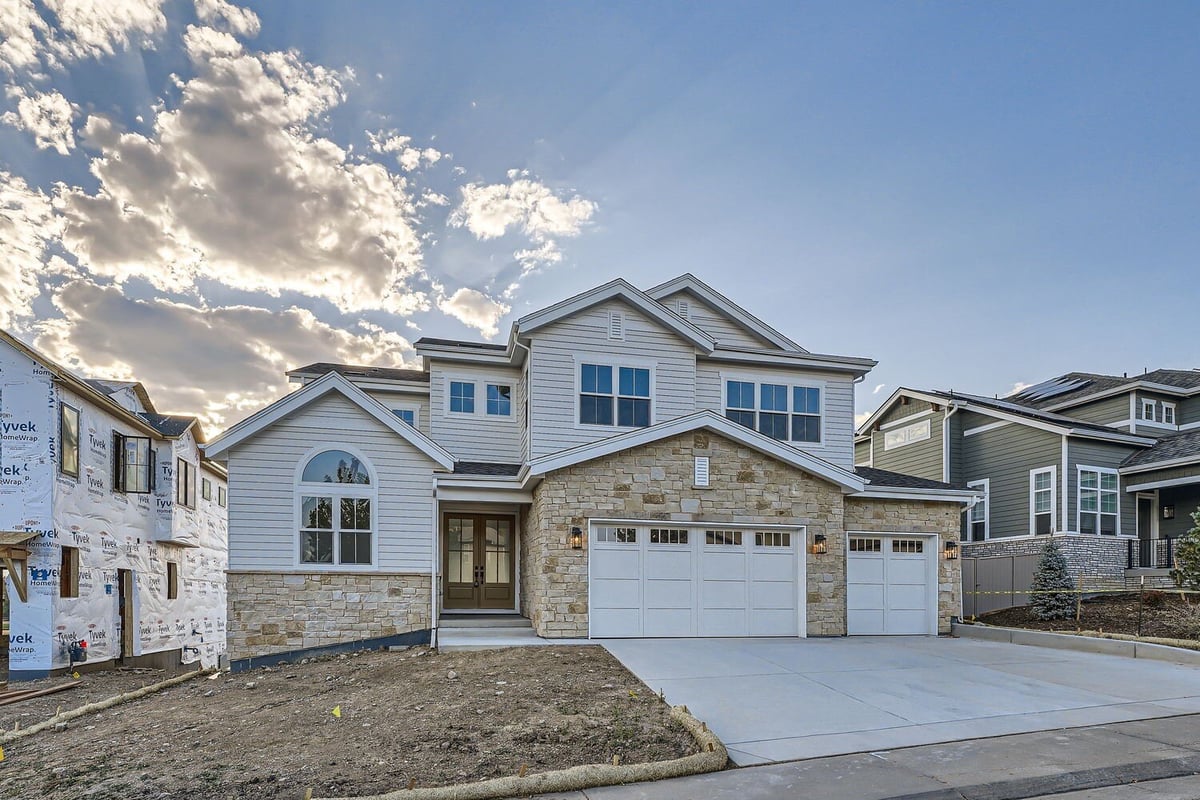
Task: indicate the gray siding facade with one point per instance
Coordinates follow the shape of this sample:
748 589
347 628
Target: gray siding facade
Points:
1005 456
921 458
1091 453
262 495
1107 411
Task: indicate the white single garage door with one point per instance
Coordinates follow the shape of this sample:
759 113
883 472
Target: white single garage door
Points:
693 581
891 584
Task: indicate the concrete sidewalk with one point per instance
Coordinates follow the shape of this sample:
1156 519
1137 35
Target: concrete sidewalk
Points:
1161 756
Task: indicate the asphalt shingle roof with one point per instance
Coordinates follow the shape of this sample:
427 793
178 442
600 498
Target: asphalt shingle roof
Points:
357 371
486 468
1031 413
1168 448
459 343
1093 382
884 477
169 425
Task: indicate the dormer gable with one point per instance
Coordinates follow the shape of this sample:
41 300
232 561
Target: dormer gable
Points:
729 324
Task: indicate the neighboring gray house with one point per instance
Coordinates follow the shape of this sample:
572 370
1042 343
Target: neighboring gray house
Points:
629 463
1108 464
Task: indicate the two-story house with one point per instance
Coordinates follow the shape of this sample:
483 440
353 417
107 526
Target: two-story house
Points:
112 525
629 463
1110 465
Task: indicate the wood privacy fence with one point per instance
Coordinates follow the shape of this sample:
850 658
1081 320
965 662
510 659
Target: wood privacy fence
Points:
996 582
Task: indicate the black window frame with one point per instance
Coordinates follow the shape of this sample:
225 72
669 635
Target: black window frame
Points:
63 408
172 580
185 482
120 468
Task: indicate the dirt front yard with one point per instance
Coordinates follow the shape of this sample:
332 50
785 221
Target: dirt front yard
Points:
1163 614
400 717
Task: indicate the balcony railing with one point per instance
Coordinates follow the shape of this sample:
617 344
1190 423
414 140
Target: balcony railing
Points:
1152 553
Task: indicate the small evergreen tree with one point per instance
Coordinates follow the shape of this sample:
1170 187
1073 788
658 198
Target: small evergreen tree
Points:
1053 589
1186 573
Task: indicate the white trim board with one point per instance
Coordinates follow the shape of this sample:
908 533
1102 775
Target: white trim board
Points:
331 382
701 419
1141 487
905 420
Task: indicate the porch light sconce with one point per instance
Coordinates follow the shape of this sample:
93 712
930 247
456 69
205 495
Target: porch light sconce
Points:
1168 512
576 539
818 545
950 550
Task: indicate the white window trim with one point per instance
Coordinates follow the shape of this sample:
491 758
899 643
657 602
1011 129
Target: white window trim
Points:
1053 471
415 408
615 364
1167 406
1079 470
986 485
759 378
924 424
301 489
480 411
911 418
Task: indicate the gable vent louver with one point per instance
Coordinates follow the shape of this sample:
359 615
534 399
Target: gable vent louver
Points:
683 308
616 325
701 477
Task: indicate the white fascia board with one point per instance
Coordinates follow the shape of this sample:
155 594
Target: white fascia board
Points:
744 318
886 406
1168 464
931 495
1052 427
467 355
331 382
1142 487
701 419
851 364
623 290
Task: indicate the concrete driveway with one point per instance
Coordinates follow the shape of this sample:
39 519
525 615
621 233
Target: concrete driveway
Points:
784 699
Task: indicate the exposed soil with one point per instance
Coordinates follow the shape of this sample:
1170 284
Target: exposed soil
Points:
88 688
412 716
1163 614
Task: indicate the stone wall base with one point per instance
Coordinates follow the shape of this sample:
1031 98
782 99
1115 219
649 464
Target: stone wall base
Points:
274 613
1096 562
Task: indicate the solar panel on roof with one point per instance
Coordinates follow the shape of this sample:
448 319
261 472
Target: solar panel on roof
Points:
1051 388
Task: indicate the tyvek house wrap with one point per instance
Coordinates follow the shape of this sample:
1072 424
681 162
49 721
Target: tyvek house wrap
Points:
112 531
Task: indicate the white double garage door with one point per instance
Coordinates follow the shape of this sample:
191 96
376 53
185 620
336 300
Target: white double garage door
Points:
648 580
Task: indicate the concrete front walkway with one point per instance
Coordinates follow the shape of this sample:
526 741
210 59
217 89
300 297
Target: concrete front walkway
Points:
785 699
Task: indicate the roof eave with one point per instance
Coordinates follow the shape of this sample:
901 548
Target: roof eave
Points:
688 281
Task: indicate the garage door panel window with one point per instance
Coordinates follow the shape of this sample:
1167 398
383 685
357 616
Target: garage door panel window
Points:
668 536
727 538
616 535
858 545
908 545
772 539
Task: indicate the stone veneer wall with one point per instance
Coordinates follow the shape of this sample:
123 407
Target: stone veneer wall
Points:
653 482
1101 560
272 612
911 516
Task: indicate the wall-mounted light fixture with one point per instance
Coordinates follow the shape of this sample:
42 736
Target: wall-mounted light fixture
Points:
818 545
576 539
1168 512
950 550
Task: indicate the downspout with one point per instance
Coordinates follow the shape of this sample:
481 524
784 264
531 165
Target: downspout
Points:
433 568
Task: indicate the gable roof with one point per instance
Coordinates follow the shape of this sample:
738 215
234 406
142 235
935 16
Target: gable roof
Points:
109 387
1073 388
731 310
885 477
1012 412
357 371
1178 448
172 426
617 289
330 382
700 420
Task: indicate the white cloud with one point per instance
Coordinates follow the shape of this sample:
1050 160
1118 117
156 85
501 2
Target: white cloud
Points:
1019 386
27 227
23 33
226 16
47 115
409 157
489 211
859 419
234 185
30 44
878 388
474 308
219 362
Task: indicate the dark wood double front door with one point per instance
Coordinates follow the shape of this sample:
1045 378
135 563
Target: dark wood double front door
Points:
478 566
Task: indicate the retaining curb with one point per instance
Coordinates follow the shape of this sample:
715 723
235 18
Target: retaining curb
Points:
1084 642
712 757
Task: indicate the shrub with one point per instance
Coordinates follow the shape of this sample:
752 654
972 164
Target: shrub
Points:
1187 557
1053 589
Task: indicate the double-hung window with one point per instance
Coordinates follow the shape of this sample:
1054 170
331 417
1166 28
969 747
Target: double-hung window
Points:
336 497
1099 501
133 464
462 397
782 411
499 400
977 518
68 440
1042 495
1158 411
185 483
624 402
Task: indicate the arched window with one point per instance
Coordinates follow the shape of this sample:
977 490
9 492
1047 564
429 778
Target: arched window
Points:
335 515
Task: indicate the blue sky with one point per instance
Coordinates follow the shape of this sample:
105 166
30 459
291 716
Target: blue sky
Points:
976 195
